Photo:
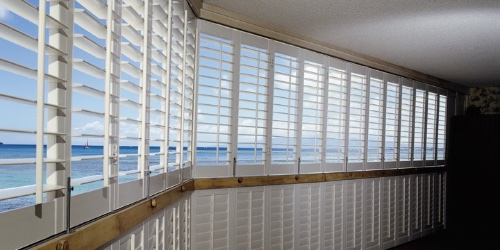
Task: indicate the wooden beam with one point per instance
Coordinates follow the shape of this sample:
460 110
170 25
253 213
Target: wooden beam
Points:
111 226
253 181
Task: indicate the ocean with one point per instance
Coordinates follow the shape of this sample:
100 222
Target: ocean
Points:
23 175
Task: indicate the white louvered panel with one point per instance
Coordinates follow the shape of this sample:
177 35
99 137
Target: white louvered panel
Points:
353 214
214 101
281 216
406 124
333 215
375 128
428 204
440 208
416 189
211 227
419 126
250 218
431 117
371 215
336 116
357 118
177 225
391 125
389 203
308 211
441 128
185 223
253 107
156 232
169 228
404 202
311 154
285 102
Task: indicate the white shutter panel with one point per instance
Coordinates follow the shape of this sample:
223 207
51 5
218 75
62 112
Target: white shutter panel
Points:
215 77
404 202
335 151
308 212
430 135
440 207
211 219
285 113
353 214
333 215
371 215
389 203
391 125
374 134
441 127
357 118
406 124
253 107
281 216
311 143
250 218
428 204
419 125
170 230
185 224
156 232
416 206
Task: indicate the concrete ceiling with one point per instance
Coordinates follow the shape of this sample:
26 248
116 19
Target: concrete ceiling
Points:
455 40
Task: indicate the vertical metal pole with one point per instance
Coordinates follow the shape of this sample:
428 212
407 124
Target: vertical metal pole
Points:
40 102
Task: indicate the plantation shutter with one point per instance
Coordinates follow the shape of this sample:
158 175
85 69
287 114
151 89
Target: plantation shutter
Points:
211 219
374 136
428 203
371 213
285 121
419 125
391 126
440 208
416 184
441 128
404 202
215 78
430 135
253 106
389 202
333 217
250 217
406 124
177 66
309 217
357 118
335 151
353 214
159 103
188 85
281 217
311 143
156 231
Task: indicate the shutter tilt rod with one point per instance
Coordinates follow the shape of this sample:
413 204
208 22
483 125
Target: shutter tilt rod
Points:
298 166
69 188
234 166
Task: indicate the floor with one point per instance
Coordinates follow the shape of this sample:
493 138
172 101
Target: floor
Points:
447 239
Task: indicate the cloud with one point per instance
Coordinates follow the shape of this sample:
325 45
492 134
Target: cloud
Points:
4 13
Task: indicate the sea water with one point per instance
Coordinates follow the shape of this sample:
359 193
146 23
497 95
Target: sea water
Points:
12 176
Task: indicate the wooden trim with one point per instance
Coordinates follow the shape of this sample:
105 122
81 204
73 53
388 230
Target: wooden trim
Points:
219 15
253 181
103 230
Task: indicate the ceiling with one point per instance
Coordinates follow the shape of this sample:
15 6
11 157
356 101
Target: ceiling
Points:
455 40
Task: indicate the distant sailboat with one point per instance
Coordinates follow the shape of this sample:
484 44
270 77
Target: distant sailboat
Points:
86 144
